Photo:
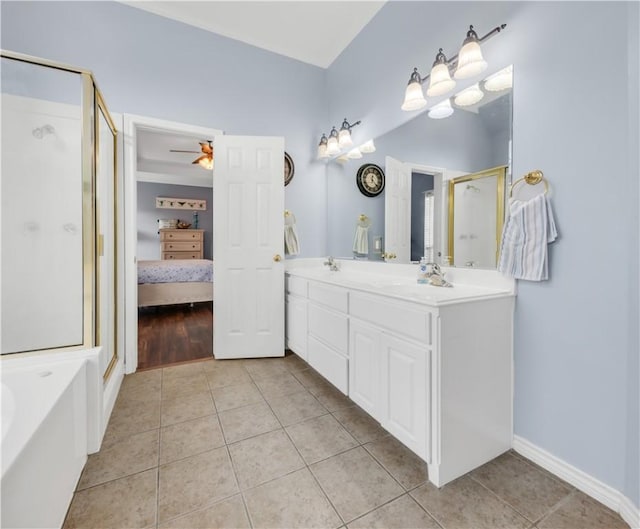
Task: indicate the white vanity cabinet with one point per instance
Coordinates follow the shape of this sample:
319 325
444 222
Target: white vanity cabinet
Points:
436 372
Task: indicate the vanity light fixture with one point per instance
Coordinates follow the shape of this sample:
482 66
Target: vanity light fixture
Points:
367 147
500 80
470 60
354 154
440 81
344 136
469 96
332 143
467 63
322 147
441 110
337 141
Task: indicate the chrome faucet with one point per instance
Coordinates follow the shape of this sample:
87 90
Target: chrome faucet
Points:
331 264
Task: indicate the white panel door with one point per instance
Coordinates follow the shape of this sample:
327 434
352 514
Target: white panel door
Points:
405 383
248 228
397 210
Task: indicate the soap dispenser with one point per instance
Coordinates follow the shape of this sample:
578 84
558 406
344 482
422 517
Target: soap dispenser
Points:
423 274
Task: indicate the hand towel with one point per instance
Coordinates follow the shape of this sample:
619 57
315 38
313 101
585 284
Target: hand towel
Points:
528 230
291 244
361 239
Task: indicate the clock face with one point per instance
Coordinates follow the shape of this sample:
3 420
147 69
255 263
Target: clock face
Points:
370 180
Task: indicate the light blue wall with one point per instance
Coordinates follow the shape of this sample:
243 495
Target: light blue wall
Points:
633 372
576 347
148 215
152 66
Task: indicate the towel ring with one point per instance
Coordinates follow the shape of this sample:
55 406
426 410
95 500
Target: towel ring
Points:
533 178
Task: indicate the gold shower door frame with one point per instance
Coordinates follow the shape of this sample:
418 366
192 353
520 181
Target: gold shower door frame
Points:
92 105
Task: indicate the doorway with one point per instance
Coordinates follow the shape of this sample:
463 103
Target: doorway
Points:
165 324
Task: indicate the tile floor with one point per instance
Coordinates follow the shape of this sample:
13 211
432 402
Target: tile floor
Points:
269 443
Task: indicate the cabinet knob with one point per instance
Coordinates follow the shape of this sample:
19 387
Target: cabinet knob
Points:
277 258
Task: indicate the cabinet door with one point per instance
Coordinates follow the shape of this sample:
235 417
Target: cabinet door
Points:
296 325
405 386
364 367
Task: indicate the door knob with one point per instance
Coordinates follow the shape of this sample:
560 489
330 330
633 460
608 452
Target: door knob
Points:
277 258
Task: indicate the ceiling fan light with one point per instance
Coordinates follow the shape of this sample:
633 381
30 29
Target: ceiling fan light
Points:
470 60
501 80
206 163
367 147
441 110
469 96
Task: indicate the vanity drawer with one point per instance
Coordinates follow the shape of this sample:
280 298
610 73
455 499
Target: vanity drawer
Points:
329 326
330 364
296 285
334 297
180 246
401 318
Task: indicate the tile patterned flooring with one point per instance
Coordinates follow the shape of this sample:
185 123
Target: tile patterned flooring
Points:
269 443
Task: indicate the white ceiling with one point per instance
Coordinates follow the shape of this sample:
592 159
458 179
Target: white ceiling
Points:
315 32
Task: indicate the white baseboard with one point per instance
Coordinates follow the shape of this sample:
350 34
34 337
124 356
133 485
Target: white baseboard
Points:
591 486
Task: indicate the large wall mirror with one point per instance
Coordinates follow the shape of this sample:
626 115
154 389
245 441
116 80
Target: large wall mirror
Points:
420 158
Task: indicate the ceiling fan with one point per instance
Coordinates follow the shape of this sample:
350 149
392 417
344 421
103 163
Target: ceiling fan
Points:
206 159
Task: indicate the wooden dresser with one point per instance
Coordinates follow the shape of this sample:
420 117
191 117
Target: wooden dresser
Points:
181 244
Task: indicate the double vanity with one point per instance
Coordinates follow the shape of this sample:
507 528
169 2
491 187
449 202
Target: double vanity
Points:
433 365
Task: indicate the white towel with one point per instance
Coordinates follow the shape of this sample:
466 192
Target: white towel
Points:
291 244
527 232
361 240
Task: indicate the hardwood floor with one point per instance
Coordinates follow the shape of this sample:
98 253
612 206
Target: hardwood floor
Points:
174 333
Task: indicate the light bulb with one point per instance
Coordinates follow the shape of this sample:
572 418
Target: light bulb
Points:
501 80
440 81
469 96
413 96
354 154
441 110
470 61
367 147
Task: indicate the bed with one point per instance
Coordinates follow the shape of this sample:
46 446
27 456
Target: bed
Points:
174 281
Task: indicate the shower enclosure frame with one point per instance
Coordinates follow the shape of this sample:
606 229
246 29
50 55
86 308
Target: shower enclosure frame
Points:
93 105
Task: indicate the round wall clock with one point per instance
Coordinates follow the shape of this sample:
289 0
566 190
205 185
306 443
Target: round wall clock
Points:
289 168
370 180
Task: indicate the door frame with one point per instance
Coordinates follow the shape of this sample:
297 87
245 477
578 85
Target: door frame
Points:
127 245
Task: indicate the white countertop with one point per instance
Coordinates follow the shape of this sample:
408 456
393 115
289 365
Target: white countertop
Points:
399 281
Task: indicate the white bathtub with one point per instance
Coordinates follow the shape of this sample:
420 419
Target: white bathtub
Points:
44 440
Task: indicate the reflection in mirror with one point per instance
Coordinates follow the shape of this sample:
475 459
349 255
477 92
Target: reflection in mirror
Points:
475 137
476 215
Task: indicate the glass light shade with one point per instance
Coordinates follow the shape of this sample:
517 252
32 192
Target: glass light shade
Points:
332 146
440 81
206 163
322 151
413 97
470 61
354 154
368 147
500 80
441 110
343 158
469 96
344 138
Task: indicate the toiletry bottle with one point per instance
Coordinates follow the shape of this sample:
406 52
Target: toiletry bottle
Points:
423 278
